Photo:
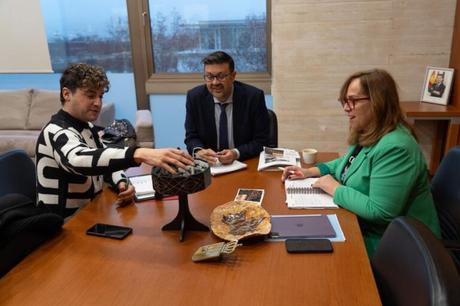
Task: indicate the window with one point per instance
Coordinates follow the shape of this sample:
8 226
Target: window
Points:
94 32
177 35
183 32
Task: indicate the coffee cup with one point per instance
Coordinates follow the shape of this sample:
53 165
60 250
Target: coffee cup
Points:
309 156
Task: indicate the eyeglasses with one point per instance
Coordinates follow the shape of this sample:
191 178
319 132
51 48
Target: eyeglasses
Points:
351 101
219 77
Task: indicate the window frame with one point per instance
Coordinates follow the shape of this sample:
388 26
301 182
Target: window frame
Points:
149 82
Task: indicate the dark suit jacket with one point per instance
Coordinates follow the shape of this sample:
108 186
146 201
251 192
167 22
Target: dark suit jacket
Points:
250 120
437 90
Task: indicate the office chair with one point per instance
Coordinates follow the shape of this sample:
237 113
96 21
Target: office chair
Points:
273 129
17 174
23 225
412 267
445 187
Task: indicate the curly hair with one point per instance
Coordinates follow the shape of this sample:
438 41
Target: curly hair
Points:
84 76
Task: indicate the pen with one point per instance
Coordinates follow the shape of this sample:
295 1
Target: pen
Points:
291 172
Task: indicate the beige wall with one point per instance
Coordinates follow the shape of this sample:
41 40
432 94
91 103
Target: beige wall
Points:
317 44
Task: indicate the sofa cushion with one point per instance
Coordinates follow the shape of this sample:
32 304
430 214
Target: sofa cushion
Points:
44 104
14 109
18 139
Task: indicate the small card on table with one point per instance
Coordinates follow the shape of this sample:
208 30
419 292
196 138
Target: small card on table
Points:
250 195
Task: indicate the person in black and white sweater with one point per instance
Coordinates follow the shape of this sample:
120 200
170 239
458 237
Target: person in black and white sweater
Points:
73 163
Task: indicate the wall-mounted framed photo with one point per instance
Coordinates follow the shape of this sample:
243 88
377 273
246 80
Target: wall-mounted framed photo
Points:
437 85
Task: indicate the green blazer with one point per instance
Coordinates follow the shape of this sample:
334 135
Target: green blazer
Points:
386 180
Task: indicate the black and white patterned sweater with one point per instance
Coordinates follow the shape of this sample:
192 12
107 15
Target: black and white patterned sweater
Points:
72 164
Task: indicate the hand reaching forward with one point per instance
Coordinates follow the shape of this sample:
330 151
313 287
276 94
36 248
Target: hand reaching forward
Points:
164 158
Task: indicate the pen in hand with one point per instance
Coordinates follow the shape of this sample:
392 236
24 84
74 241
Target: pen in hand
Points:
293 174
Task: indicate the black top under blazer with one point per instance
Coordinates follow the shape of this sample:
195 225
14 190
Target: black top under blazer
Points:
250 120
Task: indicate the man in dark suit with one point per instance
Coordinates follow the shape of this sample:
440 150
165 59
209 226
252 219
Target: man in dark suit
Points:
225 119
437 90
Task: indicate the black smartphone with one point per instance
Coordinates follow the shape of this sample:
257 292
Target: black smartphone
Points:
308 245
109 231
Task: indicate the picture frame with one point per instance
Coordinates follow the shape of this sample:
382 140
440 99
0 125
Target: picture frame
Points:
437 85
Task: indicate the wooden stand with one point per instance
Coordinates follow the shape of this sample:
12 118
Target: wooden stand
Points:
184 220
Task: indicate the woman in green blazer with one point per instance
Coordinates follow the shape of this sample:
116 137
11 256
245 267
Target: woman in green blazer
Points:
384 174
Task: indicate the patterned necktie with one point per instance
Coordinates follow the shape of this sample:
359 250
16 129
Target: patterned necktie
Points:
223 128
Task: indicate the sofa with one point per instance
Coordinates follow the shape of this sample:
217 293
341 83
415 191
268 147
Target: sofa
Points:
24 112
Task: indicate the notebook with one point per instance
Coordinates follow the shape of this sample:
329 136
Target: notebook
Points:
301 226
234 166
144 187
300 194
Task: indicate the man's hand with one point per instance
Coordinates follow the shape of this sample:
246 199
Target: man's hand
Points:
226 156
164 158
125 195
327 183
208 155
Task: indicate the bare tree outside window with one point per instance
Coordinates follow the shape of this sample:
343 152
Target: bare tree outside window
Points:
99 37
179 43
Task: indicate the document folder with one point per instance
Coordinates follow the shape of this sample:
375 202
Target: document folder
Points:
305 226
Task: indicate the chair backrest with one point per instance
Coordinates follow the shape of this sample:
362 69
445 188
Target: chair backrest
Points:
446 194
412 267
17 174
273 129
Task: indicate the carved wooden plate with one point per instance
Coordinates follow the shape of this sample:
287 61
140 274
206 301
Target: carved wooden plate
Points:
237 220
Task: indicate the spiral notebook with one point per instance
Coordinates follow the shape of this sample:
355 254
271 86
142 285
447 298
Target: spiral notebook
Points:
301 194
143 186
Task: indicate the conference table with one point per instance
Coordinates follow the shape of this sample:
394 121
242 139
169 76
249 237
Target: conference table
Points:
152 267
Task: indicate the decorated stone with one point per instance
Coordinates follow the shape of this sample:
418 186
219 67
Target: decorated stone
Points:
237 220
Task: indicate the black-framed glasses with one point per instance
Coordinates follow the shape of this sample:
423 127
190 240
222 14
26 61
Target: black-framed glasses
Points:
211 77
351 101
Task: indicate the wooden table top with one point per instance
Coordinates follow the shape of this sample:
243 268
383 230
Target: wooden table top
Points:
151 267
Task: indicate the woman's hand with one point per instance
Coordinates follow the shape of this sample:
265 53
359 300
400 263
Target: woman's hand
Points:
327 183
297 173
292 173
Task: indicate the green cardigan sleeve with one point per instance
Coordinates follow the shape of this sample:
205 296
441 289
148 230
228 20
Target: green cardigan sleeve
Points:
390 175
329 167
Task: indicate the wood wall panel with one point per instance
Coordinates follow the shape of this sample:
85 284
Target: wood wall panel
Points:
317 44
455 61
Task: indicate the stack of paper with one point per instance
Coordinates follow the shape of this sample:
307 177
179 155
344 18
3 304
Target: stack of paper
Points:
221 169
301 194
144 187
275 157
